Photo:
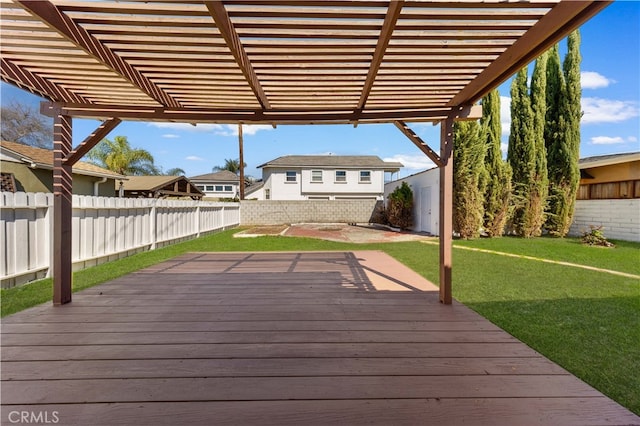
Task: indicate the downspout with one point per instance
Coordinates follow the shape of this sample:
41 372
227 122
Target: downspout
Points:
96 191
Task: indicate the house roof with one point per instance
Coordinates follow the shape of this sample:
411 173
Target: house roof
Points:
253 188
161 186
149 183
608 159
279 61
344 161
43 159
221 176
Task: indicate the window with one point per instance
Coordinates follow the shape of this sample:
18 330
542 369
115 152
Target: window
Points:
201 187
218 188
365 176
290 176
210 188
341 175
267 194
316 175
228 188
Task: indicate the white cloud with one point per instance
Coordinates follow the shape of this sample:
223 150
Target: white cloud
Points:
170 136
594 80
218 129
632 139
194 158
247 129
597 110
413 162
505 115
606 140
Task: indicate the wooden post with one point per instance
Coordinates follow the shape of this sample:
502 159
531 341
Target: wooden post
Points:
241 161
62 210
446 208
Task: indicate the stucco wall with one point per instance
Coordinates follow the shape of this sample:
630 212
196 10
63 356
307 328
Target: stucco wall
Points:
276 212
426 199
620 219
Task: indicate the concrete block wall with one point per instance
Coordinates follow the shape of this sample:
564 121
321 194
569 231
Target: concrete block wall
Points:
277 212
620 219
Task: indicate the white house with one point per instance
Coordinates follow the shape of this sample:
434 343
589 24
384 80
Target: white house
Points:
426 199
323 177
222 184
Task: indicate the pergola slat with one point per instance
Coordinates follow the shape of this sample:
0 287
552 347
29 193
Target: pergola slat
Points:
274 62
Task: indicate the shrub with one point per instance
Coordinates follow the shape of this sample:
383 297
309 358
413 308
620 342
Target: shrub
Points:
595 237
400 207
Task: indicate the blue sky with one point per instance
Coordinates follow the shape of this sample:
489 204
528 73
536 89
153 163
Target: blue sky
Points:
610 101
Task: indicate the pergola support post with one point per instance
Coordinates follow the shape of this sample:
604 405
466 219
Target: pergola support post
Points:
62 209
446 208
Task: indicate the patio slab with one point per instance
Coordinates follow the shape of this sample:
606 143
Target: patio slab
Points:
281 338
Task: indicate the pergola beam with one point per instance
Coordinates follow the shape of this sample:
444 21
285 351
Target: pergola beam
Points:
417 141
219 14
551 28
56 19
253 116
85 146
389 24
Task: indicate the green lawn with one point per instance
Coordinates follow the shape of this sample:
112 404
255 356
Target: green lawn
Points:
586 321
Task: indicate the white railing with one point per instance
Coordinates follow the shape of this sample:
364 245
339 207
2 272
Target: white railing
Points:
104 229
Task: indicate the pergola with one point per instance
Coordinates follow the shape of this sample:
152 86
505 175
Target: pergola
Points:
269 62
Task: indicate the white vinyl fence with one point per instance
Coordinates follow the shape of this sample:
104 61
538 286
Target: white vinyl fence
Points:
104 229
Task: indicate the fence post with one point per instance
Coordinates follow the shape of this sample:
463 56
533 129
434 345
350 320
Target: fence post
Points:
152 223
198 220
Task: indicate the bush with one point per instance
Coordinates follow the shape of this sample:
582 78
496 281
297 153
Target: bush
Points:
595 237
400 207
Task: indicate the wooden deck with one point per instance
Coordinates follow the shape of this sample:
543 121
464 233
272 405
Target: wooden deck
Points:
283 339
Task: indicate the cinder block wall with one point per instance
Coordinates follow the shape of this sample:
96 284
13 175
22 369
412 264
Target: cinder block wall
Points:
620 219
276 212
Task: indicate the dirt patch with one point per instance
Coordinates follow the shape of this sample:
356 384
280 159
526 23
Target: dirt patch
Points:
257 231
354 233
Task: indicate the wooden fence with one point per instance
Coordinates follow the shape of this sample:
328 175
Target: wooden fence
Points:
104 229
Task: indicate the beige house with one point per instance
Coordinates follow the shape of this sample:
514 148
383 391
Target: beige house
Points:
29 169
609 196
160 187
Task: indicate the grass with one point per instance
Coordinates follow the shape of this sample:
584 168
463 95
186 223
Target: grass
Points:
586 321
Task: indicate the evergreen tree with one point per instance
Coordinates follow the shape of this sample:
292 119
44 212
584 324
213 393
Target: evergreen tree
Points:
564 150
469 178
521 155
498 191
540 184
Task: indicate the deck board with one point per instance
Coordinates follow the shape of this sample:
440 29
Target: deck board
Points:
281 338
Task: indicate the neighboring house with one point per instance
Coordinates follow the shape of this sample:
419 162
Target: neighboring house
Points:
426 199
161 187
324 177
29 169
609 196
222 184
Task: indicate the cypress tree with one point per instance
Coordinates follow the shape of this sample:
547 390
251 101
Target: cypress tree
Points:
469 178
564 149
521 155
498 191
540 184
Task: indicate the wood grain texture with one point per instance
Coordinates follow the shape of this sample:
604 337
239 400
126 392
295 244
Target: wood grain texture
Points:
281 338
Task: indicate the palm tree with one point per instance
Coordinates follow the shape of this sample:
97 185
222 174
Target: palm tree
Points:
176 171
118 156
231 165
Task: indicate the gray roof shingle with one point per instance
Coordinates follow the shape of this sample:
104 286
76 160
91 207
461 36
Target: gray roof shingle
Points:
346 161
